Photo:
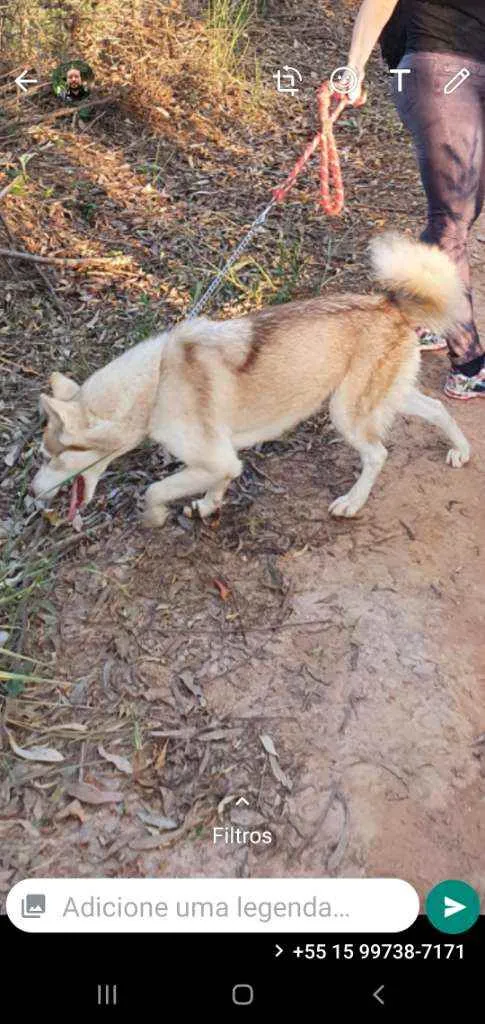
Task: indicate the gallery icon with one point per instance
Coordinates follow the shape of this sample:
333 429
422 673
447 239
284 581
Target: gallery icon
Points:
33 905
286 80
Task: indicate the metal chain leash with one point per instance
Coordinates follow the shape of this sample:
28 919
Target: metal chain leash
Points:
216 283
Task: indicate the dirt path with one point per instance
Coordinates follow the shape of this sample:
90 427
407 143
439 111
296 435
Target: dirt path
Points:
358 651
353 648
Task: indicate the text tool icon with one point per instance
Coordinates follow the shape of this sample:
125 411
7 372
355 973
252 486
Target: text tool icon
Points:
456 81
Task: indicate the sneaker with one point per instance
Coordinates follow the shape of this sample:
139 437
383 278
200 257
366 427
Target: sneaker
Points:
464 388
429 342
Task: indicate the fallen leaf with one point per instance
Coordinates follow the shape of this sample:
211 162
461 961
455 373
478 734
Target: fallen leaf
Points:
73 810
123 646
148 843
46 754
273 761
68 727
157 693
162 757
90 795
302 551
77 522
279 773
223 589
223 803
157 820
219 734
268 744
121 763
11 456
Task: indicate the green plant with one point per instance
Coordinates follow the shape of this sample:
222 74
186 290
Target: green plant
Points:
227 23
288 271
146 322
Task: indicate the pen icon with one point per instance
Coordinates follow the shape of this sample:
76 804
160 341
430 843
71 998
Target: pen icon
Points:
456 81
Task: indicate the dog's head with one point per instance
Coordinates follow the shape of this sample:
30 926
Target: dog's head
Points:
78 444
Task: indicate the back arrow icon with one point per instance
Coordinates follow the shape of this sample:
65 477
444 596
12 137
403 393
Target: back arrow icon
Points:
22 81
377 994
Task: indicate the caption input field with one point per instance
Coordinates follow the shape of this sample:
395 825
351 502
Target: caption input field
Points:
213 905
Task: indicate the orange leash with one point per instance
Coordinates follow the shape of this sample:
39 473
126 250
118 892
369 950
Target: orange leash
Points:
331 197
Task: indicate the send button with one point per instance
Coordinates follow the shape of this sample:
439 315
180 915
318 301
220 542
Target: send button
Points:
453 907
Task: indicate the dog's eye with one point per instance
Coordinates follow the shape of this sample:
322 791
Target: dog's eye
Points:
75 448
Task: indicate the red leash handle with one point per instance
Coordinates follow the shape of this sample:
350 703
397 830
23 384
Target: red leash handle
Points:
331 196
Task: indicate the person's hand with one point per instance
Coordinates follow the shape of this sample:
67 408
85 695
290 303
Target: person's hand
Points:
358 95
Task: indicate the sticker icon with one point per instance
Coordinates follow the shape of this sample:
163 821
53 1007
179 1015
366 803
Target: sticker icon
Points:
343 80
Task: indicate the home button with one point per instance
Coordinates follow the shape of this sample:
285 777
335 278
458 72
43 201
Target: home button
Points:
243 995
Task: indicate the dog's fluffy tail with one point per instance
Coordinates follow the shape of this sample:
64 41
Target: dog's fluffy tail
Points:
421 279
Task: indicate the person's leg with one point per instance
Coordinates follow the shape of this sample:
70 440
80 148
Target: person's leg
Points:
449 139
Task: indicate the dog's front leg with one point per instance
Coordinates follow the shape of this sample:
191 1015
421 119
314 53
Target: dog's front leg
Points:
211 502
179 485
187 482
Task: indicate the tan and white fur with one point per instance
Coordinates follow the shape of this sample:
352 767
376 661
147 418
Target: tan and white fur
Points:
207 389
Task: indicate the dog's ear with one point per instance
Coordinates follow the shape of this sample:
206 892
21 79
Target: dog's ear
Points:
54 408
63 387
63 416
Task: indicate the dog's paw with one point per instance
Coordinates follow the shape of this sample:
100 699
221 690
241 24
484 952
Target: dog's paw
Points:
201 508
346 506
458 458
193 511
154 515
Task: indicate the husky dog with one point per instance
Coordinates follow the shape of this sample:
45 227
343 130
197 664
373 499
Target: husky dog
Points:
207 389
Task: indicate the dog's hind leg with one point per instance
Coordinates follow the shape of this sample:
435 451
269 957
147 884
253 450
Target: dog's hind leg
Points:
193 480
373 456
433 411
362 435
